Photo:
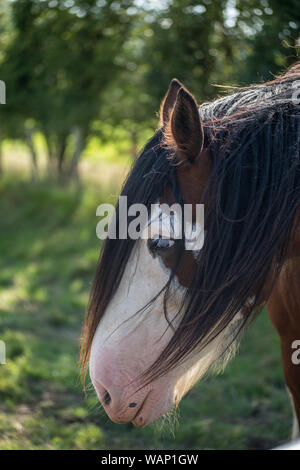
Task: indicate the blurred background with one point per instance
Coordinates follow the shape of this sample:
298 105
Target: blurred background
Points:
84 80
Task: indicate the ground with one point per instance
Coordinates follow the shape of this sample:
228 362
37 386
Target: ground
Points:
48 253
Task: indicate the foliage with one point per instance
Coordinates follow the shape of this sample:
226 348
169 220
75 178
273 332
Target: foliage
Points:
272 30
72 65
57 67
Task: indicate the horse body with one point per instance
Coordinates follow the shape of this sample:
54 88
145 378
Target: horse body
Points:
161 316
284 311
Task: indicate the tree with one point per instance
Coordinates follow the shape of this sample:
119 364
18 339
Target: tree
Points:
182 43
57 68
180 39
268 33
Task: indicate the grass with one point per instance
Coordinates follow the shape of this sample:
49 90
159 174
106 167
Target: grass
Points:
48 252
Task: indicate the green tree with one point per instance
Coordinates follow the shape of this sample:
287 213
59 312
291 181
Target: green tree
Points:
58 66
183 42
180 39
268 33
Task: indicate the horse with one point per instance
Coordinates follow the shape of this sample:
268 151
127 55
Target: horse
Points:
161 316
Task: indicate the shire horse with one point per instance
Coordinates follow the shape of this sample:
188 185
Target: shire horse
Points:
160 315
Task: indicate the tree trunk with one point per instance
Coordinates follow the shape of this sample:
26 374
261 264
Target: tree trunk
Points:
80 141
61 151
32 151
134 148
50 154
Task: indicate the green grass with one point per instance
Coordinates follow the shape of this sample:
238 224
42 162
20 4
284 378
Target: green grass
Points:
48 252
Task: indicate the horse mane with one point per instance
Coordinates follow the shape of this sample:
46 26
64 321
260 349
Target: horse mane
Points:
251 201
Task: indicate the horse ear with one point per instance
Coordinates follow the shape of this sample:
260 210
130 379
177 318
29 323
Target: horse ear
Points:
185 127
169 101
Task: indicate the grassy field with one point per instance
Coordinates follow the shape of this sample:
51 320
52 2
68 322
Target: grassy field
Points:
48 252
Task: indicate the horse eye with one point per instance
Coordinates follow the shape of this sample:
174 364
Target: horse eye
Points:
159 245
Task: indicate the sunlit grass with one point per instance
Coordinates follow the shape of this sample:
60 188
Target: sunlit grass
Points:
108 159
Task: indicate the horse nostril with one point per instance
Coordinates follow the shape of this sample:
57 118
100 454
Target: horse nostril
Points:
107 398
